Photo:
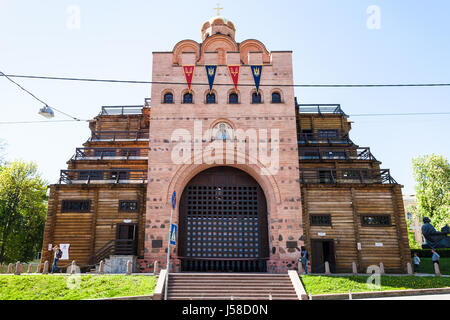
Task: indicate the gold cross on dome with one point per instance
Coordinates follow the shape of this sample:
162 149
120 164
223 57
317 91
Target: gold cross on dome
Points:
218 9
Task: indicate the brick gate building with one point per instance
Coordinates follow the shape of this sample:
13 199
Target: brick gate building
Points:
257 175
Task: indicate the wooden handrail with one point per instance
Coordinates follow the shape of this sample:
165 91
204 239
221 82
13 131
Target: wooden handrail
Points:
121 246
335 176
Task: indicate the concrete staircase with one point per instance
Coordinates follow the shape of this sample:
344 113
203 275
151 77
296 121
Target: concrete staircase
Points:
230 286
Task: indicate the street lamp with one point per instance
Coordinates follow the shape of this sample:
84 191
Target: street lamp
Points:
47 112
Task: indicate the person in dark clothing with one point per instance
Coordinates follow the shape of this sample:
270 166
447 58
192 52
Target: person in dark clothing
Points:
304 259
416 261
435 257
58 255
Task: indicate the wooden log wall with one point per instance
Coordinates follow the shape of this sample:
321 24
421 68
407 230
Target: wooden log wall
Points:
120 123
346 204
88 232
317 122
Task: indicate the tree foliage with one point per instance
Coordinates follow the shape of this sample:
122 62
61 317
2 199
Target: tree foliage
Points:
432 174
2 150
413 244
23 206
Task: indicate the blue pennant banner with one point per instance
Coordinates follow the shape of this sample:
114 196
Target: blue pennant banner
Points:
257 72
211 73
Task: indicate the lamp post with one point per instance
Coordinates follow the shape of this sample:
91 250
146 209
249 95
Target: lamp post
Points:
172 229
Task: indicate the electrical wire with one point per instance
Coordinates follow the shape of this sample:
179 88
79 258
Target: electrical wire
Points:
31 94
226 84
242 117
51 121
218 84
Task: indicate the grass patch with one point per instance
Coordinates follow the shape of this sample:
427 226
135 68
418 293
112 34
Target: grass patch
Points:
52 287
330 284
426 266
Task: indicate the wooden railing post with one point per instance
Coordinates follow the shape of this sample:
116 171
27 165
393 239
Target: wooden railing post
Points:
408 268
156 267
101 267
129 266
18 268
354 268
381 268
437 271
327 267
73 267
45 271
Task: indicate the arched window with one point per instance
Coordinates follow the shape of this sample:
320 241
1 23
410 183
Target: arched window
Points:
187 98
233 98
210 98
256 98
276 97
168 98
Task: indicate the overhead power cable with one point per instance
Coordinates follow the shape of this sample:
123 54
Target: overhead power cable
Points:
165 119
31 94
226 84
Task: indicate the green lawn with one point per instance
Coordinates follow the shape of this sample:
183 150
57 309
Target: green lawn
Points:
426 266
333 284
53 287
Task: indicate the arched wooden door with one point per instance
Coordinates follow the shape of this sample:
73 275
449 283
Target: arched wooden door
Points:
223 223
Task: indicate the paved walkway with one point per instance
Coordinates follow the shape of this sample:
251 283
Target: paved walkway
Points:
427 297
368 274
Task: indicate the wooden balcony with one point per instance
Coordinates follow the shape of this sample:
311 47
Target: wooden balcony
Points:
113 176
346 176
318 139
120 136
321 154
111 154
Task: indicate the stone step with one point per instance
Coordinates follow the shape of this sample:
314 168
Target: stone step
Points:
229 274
229 292
228 279
205 280
227 286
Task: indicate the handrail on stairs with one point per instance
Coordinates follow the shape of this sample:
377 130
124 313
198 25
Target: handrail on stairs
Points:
114 247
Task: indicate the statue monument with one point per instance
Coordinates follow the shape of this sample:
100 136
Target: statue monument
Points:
434 239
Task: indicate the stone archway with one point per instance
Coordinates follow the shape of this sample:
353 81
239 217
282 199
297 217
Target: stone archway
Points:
223 223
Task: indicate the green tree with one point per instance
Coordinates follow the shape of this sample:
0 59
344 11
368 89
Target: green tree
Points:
23 206
413 244
432 174
2 148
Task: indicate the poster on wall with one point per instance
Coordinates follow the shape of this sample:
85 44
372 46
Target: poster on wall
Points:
65 250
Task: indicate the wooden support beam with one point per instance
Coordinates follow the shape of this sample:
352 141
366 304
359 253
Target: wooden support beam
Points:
401 229
356 222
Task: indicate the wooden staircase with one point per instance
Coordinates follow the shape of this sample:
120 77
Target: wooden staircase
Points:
230 286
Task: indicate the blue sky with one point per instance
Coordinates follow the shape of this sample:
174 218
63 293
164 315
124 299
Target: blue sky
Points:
330 40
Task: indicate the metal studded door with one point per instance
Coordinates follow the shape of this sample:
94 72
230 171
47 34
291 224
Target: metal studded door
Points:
223 223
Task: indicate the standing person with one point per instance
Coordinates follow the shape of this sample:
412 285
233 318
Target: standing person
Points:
435 257
58 255
416 261
304 257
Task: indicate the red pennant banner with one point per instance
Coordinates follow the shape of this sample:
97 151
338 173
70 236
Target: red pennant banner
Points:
189 75
234 73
